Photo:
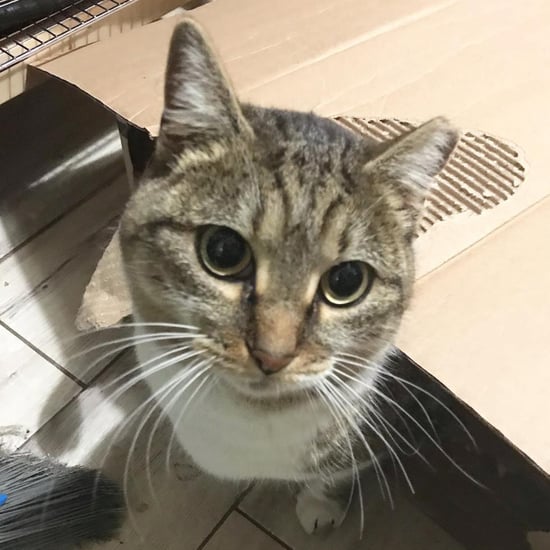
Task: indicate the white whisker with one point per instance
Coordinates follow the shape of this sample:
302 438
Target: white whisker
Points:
129 419
371 406
403 381
424 431
139 338
340 418
157 396
180 417
398 414
380 474
141 325
129 385
197 371
373 427
384 373
387 426
118 349
145 373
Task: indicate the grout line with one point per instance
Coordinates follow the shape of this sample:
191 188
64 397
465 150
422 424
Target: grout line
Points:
60 216
85 386
234 507
263 529
43 426
108 365
43 355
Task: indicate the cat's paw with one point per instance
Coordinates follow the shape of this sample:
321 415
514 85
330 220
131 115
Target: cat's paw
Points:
317 512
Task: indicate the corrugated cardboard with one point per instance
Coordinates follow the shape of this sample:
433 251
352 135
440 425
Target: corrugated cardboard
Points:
479 322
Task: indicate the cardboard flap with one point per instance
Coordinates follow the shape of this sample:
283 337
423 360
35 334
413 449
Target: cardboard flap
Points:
410 59
259 41
481 326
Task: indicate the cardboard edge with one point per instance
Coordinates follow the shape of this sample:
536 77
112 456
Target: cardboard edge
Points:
37 75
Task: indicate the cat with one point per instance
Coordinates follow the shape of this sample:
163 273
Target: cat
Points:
269 257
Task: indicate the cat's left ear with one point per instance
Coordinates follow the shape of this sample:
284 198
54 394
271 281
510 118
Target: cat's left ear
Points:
411 162
199 102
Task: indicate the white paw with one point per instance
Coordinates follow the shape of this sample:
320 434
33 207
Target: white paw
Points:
317 512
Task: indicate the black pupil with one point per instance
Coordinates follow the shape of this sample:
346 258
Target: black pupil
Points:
345 279
225 249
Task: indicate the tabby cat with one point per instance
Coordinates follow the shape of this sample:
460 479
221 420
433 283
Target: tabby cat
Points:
269 258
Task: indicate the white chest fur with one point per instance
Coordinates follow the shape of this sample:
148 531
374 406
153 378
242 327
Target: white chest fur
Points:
231 439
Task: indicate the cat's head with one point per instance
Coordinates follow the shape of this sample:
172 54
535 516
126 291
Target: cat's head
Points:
285 239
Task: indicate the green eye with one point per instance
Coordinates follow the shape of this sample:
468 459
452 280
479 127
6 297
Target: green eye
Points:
224 253
345 283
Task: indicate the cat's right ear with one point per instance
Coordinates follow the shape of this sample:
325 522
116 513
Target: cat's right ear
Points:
199 102
410 163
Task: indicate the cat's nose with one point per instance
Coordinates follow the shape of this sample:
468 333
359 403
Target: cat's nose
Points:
270 364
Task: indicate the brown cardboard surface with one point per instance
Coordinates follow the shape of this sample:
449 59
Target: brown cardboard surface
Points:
481 312
410 59
481 326
258 41
138 13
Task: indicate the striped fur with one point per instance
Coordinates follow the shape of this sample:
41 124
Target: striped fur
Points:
306 194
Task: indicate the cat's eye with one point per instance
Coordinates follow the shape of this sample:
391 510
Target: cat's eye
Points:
224 253
346 283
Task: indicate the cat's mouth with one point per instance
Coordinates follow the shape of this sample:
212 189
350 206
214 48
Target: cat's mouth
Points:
282 386
271 394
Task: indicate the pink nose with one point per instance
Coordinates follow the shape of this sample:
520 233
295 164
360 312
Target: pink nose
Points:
270 364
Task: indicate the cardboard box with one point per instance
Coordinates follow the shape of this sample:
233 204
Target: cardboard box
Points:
130 15
479 323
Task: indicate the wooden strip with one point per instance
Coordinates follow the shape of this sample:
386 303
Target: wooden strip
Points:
32 391
42 284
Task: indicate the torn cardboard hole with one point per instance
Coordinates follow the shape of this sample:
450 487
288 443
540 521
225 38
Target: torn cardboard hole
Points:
483 172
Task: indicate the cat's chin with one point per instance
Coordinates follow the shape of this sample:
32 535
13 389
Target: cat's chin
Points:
266 388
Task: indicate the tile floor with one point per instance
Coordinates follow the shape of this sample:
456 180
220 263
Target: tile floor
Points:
57 210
